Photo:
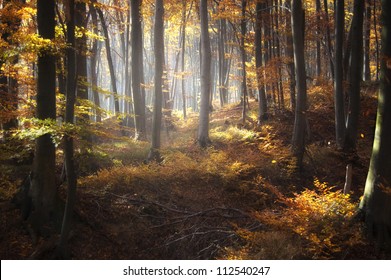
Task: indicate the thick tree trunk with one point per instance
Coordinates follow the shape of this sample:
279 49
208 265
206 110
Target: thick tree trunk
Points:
355 76
43 189
203 128
159 60
298 140
376 202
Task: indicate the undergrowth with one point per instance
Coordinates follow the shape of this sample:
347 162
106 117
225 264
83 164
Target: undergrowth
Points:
315 223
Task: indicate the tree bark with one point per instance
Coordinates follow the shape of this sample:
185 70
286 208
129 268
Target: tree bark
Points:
69 118
137 72
93 66
367 42
203 127
262 103
318 40
243 30
376 202
109 60
43 189
298 140
290 55
154 153
355 76
338 81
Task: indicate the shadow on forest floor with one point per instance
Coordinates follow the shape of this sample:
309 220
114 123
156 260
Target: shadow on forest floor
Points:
241 198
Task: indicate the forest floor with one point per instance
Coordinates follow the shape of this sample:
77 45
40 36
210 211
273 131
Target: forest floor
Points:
241 198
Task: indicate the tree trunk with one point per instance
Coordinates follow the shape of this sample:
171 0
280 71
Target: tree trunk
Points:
93 66
328 38
376 202
69 118
183 48
262 115
109 60
43 189
137 73
243 30
367 42
203 128
81 47
289 54
298 140
318 40
355 76
159 58
338 81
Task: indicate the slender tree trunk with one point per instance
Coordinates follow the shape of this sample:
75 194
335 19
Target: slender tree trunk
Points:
183 37
376 202
81 47
109 60
243 29
93 66
137 70
376 40
355 76
159 58
318 40
43 189
259 64
69 118
203 128
367 42
338 81
298 140
328 38
289 53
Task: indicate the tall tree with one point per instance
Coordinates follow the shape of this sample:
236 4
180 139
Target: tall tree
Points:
376 202
137 72
109 59
338 80
355 76
203 127
154 153
93 65
328 38
69 119
298 140
81 47
243 31
262 115
289 54
367 41
43 188
318 40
